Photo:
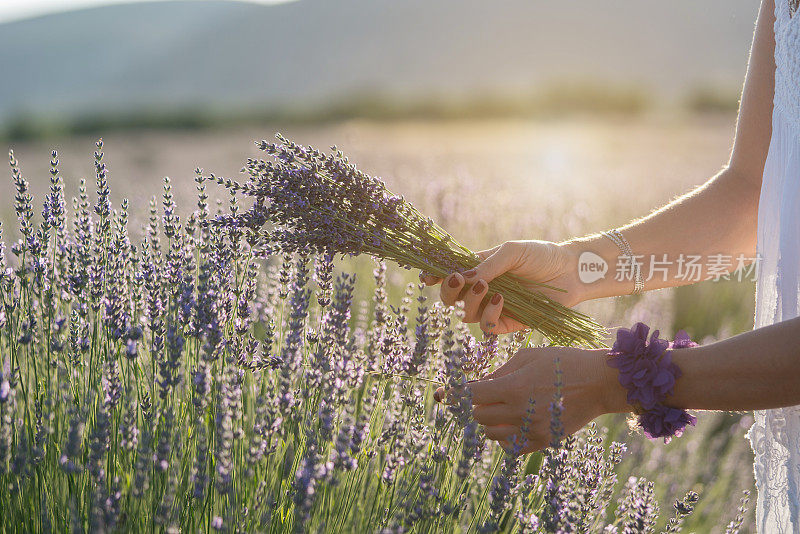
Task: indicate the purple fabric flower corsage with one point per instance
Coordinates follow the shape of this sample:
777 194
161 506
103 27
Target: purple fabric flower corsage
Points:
646 370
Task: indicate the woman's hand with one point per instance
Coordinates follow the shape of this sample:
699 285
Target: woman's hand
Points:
502 399
533 261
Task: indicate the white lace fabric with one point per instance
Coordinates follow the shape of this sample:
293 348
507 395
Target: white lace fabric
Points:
775 434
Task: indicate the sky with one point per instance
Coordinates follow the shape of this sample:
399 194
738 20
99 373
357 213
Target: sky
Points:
20 9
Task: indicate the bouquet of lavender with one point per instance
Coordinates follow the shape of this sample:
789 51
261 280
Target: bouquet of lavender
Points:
322 203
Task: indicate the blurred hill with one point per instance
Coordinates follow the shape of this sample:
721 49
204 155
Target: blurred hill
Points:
309 54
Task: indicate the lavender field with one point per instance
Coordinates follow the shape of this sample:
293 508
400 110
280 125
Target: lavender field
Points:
157 376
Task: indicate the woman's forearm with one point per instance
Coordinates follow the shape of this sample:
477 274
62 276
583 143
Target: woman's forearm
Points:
718 218
756 370
708 231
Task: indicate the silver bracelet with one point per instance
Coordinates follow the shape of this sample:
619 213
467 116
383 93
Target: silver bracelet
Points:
625 248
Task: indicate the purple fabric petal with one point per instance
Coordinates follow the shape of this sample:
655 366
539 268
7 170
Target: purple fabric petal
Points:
682 340
664 378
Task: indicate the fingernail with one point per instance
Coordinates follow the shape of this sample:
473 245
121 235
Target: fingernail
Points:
479 286
496 298
453 281
470 273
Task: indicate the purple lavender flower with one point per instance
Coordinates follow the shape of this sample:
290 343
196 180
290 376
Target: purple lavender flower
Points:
321 203
98 445
527 522
223 443
736 523
103 205
55 200
5 388
131 349
341 454
144 454
23 202
683 508
200 477
129 430
310 473
73 449
3 266
323 275
111 383
166 426
169 363
285 276
500 493
290 353
639 508
471 445
422 338
360 433
165 515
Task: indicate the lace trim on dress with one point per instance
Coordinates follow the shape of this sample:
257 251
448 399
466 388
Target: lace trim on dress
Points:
787 62
775 434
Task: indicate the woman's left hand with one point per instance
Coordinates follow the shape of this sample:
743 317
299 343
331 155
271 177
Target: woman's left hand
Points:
502 399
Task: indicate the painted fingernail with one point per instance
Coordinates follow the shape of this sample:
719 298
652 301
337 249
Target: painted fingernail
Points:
496 298
470 273
479 286
453 281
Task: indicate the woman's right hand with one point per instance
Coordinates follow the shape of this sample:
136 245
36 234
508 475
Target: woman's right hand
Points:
555 264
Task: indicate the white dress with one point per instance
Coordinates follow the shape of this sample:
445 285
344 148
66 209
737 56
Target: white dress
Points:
775 434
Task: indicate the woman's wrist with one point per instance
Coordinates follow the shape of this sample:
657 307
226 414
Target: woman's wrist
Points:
646 369
593 261
611 396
